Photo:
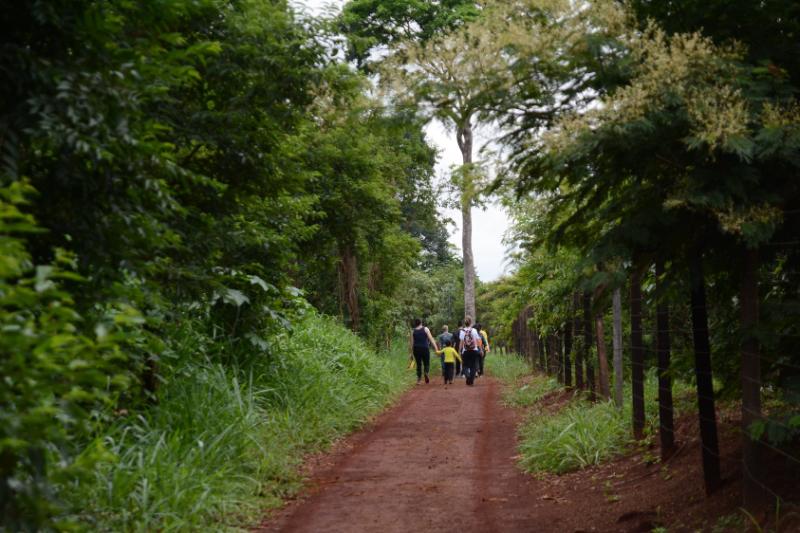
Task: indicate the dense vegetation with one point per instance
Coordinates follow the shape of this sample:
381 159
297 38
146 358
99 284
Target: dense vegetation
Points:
177 180
188 187
663 166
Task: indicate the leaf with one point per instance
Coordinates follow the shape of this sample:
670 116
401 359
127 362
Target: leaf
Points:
43 281
255 280
234 297
257 341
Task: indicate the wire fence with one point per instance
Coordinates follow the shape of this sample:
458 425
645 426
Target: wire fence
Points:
762 431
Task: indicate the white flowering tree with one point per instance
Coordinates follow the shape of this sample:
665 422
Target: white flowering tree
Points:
505 67
692 157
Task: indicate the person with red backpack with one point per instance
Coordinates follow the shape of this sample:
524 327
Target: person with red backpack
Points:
470 349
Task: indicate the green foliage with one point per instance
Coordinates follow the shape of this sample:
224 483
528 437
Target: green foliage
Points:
688 151
222 440
369 24
197 166
58 381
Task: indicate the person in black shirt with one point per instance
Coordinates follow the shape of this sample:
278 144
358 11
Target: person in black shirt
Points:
419 343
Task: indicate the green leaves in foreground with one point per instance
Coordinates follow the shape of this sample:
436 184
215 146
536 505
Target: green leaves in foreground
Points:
55 378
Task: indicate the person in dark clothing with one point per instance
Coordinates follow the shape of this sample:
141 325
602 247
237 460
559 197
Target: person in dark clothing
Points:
419 343
470 350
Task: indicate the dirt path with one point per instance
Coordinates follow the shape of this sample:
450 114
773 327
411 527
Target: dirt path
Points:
441 460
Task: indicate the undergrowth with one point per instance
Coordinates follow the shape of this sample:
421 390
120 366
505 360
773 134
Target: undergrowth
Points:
584 434
523 388
223 442
508 367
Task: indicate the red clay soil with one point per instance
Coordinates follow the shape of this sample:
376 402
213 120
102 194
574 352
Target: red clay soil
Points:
443 459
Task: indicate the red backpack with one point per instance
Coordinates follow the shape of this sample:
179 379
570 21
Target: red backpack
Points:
469 340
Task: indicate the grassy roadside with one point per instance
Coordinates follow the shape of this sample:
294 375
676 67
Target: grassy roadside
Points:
523 387
223 443
584 434
581 433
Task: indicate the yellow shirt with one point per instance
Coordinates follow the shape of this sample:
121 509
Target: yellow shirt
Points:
486 336
450 354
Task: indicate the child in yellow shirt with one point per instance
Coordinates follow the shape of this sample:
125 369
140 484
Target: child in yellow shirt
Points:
450 357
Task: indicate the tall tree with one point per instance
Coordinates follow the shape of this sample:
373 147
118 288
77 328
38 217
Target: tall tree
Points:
587 343
705 384
450 76
580 380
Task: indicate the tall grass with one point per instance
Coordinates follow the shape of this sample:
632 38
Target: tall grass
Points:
523 388
578 436
509 367
527 393
223 442
584 434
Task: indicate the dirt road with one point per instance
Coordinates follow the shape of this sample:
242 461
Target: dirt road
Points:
443 460
440 460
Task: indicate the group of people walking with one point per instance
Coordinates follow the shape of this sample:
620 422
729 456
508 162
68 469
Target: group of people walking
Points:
461 353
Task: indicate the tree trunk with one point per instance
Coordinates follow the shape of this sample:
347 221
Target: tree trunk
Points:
637 355
587 343
579 382
553 361
753 494
617 340
567 352
665 406
348 278
150 380
559 360
542 356
705 385
464 137
602 358
533 340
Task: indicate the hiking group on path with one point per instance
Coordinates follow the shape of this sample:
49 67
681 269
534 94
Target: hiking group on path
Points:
461 354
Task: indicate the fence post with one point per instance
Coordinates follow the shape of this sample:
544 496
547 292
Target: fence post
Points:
753 494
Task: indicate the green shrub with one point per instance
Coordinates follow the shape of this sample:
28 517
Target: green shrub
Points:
584 434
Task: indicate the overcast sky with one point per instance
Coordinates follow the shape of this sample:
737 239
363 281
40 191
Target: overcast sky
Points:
488 226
